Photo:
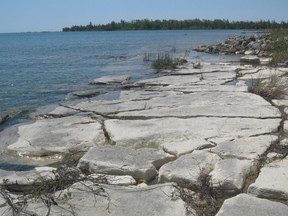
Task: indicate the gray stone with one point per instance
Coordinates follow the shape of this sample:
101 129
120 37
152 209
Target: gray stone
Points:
229 175
245 148
244 204
272 182
285 126
53 136
87 198
111 79
153 132
115 160
280 103
185 147
186 170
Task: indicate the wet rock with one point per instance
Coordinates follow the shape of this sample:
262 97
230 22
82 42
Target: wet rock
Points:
244 204
3 118
186 170
53 136
111 80
51 111
114 160
272 182
88 93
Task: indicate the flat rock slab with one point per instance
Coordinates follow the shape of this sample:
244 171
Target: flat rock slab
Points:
244 204
229 175
280 103
250 59
111 79
53 136
88 199
272 182
154 132
115 160
245 148
186 170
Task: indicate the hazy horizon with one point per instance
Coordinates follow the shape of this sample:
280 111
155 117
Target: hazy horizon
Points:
39 16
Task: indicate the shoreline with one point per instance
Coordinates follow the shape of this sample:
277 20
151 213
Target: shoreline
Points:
180 128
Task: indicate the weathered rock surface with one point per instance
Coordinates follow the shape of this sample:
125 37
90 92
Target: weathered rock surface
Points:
140 164
272 181
87 198
52 136
244 204
187 169
111 79
154 132
245 148
229 175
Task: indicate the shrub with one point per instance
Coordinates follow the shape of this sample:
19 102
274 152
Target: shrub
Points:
271 88
166 61
279 46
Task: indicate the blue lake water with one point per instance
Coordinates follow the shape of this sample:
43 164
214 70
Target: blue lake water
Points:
37 69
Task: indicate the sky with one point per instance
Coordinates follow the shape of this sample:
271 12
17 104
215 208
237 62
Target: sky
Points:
53 15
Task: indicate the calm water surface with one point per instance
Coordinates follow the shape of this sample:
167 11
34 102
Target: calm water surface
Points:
38 69
41 68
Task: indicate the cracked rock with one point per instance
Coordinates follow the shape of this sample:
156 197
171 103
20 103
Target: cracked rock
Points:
115 160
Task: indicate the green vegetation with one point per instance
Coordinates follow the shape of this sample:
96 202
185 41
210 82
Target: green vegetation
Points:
279 47
147 24
273 87
166 61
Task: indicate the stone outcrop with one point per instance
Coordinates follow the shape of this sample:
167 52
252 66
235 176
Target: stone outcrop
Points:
248 45
123 79
197 127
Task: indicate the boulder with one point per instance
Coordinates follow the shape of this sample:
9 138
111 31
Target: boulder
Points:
154 132
53 136
111 80
244 204
87 198
115 160
272 182
188 169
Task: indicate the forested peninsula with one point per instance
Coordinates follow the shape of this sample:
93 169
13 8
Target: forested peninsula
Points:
147 24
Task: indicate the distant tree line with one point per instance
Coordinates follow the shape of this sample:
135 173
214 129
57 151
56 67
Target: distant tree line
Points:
146 24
